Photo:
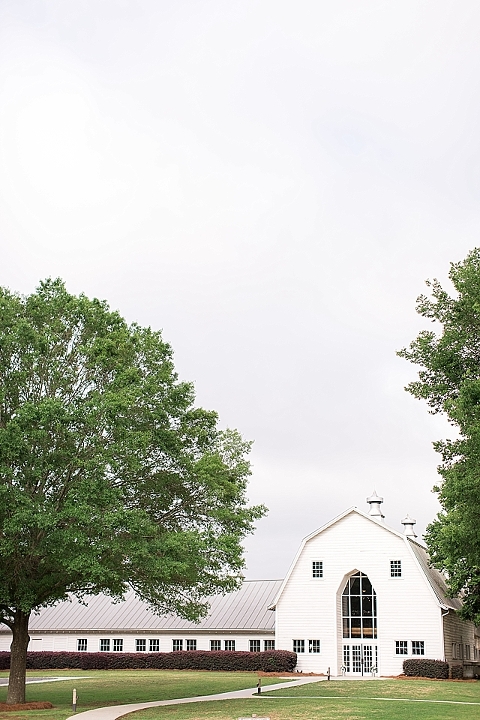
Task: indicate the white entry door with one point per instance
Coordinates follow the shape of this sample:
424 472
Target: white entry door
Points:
359 659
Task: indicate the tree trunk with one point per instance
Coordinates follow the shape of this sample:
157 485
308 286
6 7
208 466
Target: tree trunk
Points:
18 658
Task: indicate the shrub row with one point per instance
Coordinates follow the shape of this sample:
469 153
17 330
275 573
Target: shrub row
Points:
421 667
456 672
269 661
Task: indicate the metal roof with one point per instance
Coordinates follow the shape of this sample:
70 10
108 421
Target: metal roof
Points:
242 610
434 577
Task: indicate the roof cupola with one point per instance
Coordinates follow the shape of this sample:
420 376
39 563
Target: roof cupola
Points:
409 523
375 510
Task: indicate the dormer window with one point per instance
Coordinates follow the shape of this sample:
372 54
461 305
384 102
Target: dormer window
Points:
395 568
317 569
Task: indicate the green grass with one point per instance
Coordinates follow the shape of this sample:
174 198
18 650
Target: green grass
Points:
345 700
99 688
408 689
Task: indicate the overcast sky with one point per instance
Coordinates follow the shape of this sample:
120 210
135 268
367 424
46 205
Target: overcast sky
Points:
270 183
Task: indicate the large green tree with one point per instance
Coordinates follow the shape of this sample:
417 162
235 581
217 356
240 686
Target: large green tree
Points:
110 477
449 380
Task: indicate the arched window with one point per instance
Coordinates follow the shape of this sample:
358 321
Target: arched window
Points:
359 608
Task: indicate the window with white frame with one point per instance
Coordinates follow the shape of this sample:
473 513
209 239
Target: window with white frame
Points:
177 645
454 651
82 645
104 645
155 645
117 645
215 645
395 568
191 644
141 645
467 652
299 646
314 646
359 608
269 644
254 645
317 569
401 647
230 645
418 647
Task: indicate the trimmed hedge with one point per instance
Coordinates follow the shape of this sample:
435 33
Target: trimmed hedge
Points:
269 661
456 672
417 667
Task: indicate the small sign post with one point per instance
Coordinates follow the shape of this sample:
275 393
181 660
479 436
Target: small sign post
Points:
259 686
74 700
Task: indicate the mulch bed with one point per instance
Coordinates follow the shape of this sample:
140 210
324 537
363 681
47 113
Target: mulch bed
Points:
26 706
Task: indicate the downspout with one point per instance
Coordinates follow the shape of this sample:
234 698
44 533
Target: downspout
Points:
442 615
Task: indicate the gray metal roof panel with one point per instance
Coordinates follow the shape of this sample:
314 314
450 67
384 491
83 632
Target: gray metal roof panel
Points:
434 577
244 609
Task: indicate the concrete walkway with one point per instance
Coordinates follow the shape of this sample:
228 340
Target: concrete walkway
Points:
116 711
32 680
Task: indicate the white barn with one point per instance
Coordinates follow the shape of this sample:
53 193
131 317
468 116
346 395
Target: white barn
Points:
359 597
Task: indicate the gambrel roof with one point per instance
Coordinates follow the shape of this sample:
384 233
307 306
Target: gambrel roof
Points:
244 610
433 577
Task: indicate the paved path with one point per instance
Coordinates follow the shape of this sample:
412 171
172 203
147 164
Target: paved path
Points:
114 712
32 680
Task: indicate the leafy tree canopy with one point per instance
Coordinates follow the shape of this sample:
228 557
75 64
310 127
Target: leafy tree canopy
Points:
450 383
110 477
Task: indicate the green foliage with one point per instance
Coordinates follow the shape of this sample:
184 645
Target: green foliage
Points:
221 660
423 667
110 477
449 380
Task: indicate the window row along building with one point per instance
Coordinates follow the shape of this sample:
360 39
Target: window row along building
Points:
359 598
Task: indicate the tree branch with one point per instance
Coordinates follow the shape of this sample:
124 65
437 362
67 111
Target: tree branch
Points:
5 610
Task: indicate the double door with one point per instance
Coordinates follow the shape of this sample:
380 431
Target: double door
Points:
360 659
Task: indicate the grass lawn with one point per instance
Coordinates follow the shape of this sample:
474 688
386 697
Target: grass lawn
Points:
103 687
345 700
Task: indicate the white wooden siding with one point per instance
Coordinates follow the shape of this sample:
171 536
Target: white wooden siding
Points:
309 608
57 642
461 633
